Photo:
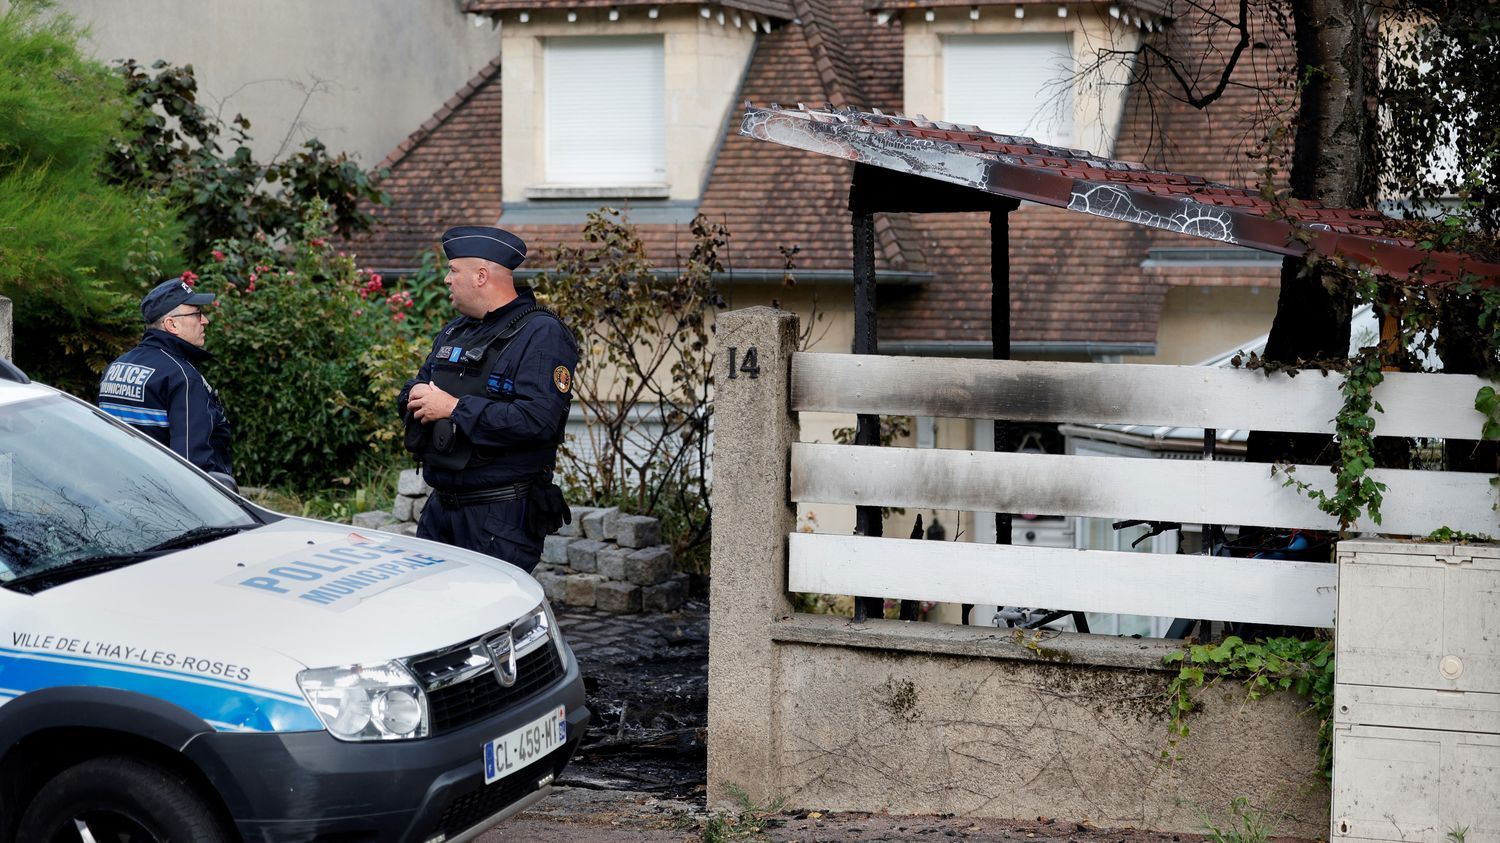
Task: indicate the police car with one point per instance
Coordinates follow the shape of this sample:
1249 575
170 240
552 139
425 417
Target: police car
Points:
177 664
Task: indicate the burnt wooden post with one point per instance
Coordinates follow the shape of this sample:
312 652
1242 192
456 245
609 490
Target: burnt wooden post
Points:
866 518
875 189
999 345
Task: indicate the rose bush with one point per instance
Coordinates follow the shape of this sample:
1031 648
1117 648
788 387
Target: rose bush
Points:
309 352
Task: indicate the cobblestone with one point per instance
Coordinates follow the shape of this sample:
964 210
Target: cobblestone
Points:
555 549
599 524
586 630
649 566
638 531
618 597
583 555
578 589
611 562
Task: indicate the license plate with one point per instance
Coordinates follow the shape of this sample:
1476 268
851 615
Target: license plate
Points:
511 752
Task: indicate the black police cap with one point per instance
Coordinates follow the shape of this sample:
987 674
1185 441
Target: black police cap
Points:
481 241
168 295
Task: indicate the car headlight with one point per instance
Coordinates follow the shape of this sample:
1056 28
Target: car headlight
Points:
562 649
367 702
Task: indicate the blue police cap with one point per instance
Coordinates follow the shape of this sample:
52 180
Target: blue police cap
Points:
170 294
481 241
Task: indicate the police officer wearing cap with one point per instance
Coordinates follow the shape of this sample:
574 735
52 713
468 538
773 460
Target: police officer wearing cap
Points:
488 408
156 387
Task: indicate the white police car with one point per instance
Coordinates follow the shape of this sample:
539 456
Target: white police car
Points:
177 664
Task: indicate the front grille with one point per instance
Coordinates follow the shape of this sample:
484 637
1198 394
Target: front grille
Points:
480 696
485 801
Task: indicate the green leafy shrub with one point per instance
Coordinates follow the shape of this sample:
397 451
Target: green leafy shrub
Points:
430 309
307 346
75 252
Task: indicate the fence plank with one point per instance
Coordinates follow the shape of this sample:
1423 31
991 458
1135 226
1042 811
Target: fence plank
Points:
1416 502
1097 393
1216 588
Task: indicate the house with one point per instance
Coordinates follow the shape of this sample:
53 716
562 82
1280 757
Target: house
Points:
639 104
592 103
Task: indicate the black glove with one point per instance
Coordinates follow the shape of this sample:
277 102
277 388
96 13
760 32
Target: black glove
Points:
546 510
416 434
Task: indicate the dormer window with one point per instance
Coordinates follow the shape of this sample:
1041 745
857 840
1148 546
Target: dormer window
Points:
605 124
607 105
1012 84
1018 67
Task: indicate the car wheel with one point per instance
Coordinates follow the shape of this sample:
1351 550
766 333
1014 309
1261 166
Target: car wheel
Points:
119 800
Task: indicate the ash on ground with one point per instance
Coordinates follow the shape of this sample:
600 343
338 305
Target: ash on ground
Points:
646 678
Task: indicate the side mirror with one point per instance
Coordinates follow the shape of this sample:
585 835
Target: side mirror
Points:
225 480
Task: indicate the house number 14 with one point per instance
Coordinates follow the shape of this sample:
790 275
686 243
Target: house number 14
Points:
750 365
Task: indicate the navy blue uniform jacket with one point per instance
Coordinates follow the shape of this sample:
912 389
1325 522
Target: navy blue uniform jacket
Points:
157 389
519 419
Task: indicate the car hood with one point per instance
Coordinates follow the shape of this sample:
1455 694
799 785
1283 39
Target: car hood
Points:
321 594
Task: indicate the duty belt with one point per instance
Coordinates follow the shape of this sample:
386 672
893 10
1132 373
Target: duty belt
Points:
514 491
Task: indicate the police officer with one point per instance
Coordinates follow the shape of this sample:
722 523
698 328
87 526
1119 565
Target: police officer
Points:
156 387
488 408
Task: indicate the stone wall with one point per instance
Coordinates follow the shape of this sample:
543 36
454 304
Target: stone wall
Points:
604 559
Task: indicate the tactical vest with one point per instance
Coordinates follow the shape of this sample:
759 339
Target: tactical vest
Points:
469 372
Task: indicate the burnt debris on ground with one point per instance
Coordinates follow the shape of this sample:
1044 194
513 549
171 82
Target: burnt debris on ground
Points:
646 678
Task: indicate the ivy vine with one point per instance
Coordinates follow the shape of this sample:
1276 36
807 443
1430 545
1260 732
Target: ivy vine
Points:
1304 667
1355 492
1487 402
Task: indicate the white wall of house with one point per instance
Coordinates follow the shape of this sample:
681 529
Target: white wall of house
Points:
359 75
1200 321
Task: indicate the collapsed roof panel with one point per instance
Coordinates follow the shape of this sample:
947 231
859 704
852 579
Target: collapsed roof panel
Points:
1021 168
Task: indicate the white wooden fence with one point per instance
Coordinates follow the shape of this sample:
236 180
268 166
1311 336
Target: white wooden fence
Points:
1231 589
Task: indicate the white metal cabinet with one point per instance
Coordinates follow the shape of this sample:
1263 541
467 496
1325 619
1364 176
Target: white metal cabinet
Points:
1417 699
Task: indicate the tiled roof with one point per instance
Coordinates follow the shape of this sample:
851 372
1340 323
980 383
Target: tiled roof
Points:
778 9
769 199
1070 285
445 173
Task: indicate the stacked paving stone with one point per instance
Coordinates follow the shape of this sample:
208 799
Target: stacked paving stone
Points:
604 560
612 562
411 496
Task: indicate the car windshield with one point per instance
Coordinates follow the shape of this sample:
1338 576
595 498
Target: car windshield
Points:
74 487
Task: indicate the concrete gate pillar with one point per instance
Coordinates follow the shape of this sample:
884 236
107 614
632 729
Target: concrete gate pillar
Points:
754 429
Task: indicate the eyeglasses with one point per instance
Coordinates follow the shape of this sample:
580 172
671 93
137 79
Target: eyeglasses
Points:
198 313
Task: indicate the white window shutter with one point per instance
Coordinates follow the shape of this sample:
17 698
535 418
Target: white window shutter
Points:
1011 84
605 123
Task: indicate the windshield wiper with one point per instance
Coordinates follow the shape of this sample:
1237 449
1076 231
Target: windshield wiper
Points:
196 536
79 568
85 566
